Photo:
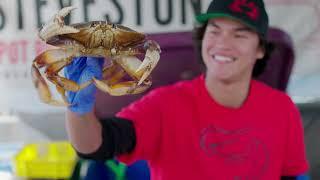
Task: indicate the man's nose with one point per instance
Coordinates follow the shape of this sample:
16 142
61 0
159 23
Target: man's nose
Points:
224 41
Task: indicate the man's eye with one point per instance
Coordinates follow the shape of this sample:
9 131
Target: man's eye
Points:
214 32
240 36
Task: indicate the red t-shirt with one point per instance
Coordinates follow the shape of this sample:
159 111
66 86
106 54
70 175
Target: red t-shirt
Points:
185 134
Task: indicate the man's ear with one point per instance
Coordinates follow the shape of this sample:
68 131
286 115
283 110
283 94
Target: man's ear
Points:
261 52
260 55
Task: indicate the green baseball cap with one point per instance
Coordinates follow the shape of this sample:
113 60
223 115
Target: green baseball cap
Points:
250 12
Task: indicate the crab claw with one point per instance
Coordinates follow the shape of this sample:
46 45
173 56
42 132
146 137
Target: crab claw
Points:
150 61
137 69
56 25
65 11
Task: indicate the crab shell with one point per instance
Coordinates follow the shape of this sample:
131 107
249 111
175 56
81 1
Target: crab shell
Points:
97 34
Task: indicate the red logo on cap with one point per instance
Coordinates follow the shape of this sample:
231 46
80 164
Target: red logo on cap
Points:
242 6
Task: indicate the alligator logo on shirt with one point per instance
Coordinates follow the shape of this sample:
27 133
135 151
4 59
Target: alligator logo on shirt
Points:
237 149
248 8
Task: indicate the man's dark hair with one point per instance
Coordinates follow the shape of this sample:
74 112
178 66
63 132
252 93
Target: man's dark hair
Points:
260 65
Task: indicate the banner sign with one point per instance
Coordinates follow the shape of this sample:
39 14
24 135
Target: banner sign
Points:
21 19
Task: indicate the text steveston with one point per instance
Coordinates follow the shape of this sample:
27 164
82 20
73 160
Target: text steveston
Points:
163 12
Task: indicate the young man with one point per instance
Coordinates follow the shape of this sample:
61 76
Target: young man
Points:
221 125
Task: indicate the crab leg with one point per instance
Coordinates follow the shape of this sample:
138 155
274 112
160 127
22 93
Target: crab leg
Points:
109 70
52 56
122 88
112 74
55 60
43 89
55 67
62 93
67 84
62 84
56 25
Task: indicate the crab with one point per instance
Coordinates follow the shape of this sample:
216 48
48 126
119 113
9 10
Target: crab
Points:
120 45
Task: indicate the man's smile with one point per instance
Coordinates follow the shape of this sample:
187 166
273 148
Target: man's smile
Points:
223 59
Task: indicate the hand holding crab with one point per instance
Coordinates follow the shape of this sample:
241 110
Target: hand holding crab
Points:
94 39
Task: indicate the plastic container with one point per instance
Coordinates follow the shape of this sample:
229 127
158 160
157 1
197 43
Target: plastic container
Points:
54 160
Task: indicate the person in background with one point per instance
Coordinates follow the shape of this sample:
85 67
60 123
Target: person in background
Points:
222 124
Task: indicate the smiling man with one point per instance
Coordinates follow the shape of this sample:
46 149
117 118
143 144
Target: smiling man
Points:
230 50
220 125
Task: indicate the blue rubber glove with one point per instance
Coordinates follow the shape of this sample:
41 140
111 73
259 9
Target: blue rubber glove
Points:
83 69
